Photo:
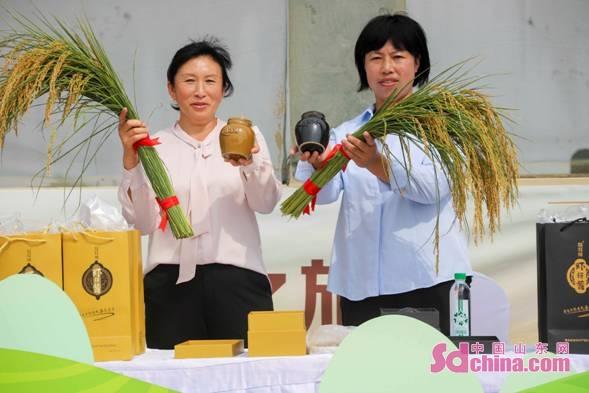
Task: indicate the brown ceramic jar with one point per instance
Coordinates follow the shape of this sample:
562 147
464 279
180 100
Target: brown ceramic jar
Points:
237 139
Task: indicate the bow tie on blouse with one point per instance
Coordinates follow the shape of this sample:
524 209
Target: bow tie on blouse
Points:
198 202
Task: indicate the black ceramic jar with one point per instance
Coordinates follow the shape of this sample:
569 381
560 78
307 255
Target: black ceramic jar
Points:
312 132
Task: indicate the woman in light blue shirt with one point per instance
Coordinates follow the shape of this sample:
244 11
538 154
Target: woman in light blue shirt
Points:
383 254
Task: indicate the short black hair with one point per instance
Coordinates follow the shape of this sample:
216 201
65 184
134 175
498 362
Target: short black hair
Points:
209 46
404 33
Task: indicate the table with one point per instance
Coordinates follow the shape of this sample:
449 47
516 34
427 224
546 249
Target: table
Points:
240 374
292 374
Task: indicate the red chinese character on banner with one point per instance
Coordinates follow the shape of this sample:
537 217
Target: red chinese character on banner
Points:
312 289
276 281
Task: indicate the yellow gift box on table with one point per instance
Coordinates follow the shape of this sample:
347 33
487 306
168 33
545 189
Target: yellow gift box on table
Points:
276 333
208 349
103 276
32 253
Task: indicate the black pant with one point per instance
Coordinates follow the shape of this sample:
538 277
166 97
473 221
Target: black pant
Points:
213 305
355 313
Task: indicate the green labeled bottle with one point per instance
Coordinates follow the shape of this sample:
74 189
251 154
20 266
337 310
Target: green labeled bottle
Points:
460 306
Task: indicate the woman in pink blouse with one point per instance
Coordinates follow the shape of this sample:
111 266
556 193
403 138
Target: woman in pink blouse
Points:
202 287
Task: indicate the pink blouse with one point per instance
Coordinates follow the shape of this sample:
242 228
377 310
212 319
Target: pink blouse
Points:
219 199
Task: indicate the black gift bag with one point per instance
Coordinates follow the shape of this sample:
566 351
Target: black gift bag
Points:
563 284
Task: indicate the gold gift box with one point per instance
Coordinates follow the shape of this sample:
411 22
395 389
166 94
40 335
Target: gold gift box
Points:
103 277
32 253
137 298
276 333
276 320
277 343
208 349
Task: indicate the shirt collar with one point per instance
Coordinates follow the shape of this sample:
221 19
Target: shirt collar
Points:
183 136
367 114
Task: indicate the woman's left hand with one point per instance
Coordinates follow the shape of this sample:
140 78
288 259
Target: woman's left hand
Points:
243 161
363 153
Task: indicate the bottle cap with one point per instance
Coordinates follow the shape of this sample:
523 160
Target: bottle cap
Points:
460 276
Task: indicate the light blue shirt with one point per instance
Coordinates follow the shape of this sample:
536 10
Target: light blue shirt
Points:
384 238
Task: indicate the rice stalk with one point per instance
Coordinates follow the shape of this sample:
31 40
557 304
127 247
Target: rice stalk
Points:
455 125
70 70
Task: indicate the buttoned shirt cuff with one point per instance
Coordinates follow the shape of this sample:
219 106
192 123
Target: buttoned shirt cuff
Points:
398 175
304 171
257 164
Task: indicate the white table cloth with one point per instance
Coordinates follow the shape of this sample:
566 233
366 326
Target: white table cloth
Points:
240 374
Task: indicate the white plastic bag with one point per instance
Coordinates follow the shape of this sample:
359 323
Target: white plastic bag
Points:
11 224
555 214
326 338
99 215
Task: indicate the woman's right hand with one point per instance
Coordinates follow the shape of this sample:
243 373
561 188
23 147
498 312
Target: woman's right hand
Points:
314 159
130 132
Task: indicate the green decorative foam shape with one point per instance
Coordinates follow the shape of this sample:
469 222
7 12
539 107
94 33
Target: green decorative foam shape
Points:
530 381
393 353
578 383
37 316
22 372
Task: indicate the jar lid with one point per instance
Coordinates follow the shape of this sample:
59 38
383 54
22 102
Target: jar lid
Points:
313 114
240 120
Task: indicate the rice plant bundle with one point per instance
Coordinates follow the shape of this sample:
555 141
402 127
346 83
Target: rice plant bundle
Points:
72 72
455 125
